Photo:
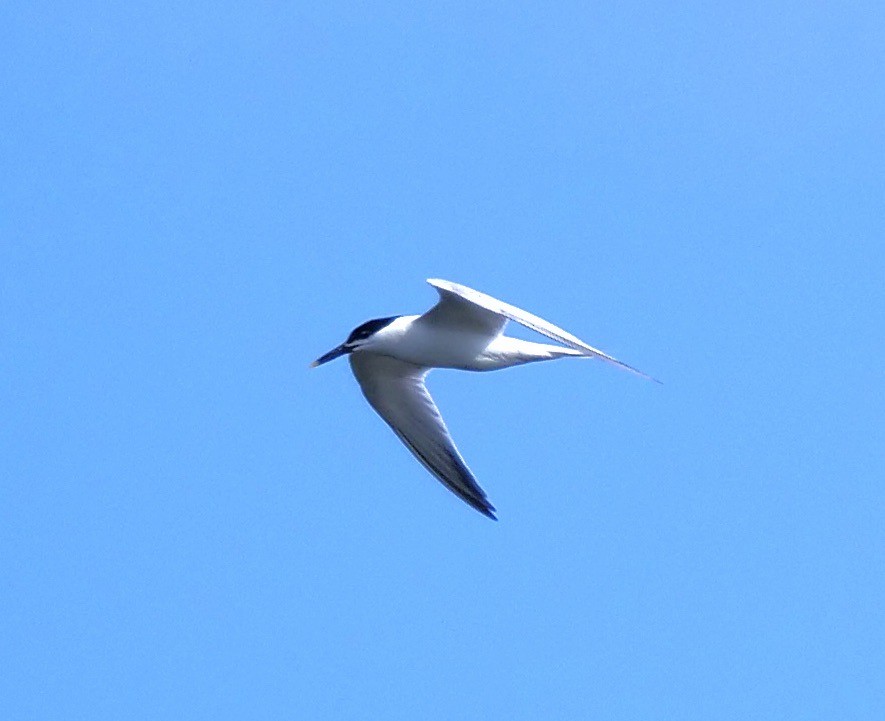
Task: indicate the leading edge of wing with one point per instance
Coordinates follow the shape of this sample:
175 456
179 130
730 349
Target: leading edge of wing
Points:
530 321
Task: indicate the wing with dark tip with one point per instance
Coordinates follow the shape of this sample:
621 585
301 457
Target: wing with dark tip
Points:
396 390
460 301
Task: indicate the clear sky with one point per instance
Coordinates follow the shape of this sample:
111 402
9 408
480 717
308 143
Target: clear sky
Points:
198 199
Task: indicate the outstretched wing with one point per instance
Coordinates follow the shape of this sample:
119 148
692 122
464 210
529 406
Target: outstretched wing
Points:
455 298
396 390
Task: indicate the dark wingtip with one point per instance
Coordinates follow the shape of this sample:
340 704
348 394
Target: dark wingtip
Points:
484 507
477 503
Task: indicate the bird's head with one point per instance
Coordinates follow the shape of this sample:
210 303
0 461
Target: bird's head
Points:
360 338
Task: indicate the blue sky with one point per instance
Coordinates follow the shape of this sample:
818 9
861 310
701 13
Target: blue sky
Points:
197 200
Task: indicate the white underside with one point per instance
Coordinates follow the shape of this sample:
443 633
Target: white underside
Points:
414 340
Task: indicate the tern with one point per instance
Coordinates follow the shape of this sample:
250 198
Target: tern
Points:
391 357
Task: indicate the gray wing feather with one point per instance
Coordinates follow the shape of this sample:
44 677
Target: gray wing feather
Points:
396 390
453 296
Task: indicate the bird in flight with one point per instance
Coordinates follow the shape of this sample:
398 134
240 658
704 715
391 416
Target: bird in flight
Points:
391 357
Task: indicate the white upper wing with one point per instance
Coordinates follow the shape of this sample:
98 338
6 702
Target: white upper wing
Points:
396 390
456 307
459 302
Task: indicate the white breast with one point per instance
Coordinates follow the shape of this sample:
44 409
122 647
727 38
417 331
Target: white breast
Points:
429 345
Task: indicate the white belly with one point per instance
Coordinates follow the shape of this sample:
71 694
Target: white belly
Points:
442 348
433 346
